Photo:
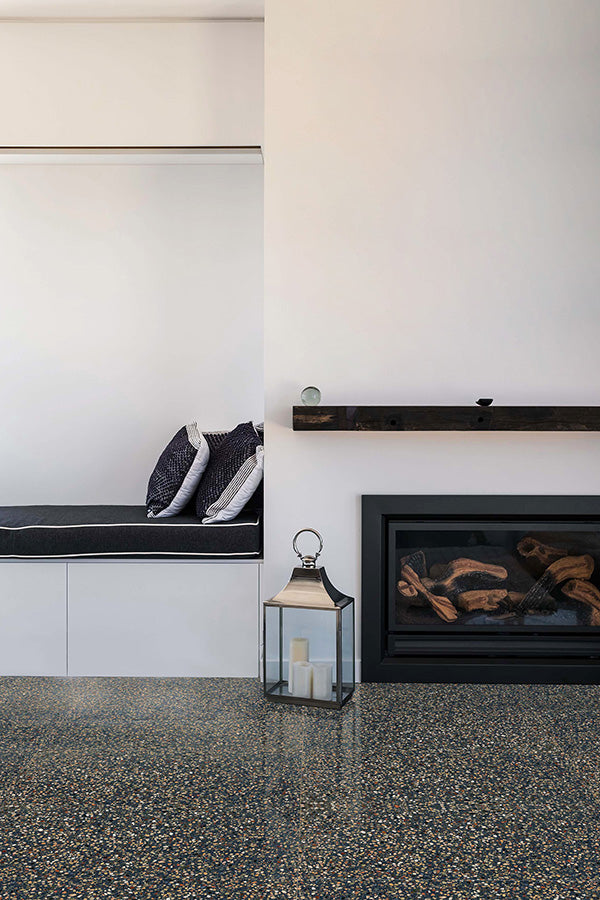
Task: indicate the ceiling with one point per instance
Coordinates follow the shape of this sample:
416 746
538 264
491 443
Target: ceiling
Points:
94 9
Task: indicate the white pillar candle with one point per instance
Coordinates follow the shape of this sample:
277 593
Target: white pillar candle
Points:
298 653
302 679
322 681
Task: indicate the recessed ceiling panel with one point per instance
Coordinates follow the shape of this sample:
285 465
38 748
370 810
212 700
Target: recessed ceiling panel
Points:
245 9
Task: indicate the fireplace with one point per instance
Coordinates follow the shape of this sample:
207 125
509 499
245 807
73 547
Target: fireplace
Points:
481 589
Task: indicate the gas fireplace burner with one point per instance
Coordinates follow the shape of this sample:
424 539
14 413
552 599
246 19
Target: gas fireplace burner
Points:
481 589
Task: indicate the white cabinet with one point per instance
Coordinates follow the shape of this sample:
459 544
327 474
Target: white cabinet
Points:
156 618
32 618
163 619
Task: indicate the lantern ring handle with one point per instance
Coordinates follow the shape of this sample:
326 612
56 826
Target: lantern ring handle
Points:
307 561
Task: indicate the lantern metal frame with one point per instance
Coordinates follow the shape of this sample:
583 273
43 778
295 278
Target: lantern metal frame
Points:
312 583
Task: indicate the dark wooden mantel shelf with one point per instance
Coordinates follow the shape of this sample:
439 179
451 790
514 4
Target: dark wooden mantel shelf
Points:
446 418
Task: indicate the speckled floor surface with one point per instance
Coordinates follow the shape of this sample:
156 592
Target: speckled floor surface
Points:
145 788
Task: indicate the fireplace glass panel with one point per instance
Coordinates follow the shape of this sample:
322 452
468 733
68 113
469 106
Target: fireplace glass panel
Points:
444 576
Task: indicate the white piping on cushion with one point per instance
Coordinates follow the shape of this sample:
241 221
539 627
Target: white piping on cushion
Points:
128 525
128 553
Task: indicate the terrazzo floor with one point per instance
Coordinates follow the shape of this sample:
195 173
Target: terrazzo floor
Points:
170 788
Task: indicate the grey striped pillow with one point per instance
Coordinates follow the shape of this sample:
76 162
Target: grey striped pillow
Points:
234 471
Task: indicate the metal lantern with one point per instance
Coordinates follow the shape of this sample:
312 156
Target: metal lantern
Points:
308 639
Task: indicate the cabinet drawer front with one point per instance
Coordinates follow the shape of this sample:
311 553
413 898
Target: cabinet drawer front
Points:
32 618
163 619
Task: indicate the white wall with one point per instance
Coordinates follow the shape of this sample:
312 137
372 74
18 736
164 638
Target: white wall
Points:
130 303
432 224
131 83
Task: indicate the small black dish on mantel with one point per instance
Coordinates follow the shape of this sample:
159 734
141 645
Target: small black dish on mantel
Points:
485 401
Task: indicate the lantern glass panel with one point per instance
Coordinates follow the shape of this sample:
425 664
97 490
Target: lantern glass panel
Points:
347 613
318 626
271 650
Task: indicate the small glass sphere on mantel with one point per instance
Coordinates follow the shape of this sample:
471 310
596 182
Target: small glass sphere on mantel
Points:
311 396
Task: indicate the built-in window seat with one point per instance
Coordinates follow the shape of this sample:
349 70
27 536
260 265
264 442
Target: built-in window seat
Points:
34 532
103 590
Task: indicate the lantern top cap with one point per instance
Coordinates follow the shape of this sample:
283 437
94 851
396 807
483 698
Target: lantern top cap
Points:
309 586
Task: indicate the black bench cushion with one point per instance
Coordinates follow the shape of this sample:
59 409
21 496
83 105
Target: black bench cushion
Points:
104 531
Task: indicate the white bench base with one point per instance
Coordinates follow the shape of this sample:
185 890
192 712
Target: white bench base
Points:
129 617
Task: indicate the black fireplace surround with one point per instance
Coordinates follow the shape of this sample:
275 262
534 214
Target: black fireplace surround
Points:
481 589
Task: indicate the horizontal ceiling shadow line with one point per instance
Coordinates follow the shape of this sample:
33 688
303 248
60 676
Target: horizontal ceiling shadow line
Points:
111 155
124 20
140 148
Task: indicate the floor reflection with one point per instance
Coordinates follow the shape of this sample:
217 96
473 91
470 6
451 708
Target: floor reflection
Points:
175 788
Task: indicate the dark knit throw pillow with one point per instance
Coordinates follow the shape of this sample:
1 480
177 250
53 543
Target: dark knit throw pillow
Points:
177 472
214 439
233 473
